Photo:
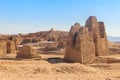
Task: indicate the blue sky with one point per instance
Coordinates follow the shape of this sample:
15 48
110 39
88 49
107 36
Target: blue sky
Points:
24 16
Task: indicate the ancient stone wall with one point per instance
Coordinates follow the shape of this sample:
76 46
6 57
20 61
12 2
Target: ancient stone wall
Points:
97 29
71 40
10 46
84 43
82 49
103 40
2 48
27 52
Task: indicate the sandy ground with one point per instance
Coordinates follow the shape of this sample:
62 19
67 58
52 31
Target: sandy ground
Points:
52 67
35 69
42 70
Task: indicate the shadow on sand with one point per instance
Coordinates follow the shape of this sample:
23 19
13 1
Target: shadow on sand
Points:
10 58
56 60
53 60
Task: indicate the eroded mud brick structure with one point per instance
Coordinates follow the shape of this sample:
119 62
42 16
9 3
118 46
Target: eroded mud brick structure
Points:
84 43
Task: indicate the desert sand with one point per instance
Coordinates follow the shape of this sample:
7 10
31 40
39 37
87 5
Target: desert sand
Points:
53 67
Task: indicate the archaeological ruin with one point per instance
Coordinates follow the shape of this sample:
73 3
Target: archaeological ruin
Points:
27 52
7 46
11 48
85 43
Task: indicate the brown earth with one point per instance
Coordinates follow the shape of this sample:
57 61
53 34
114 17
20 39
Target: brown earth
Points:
53 67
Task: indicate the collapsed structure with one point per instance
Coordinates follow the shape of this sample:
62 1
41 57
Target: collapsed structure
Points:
11 48
2 47
7 46
26 52
84 43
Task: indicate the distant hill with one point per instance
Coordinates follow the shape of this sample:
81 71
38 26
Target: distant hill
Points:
114 39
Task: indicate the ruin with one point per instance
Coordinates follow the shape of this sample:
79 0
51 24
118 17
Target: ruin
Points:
7 44
97 29
2 48
10 46
27 52
84 43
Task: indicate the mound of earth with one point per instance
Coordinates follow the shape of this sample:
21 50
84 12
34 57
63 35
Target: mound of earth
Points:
43 70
